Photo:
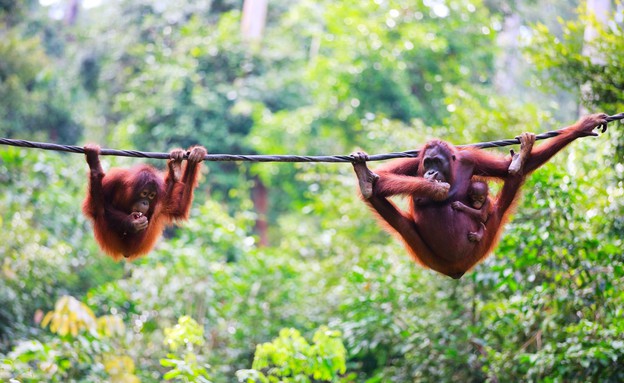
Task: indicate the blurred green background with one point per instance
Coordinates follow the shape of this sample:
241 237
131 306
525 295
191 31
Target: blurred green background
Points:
282 274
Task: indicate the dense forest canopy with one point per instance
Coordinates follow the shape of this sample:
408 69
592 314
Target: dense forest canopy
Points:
281 273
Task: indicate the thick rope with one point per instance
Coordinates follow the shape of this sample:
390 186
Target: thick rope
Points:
269 158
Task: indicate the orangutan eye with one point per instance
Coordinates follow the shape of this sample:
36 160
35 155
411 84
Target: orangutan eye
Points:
144 194
152 195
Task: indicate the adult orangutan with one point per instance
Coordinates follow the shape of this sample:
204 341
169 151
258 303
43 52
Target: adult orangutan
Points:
131 207
433 231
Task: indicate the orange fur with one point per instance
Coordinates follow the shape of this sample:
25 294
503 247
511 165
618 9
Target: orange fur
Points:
433 232
109 202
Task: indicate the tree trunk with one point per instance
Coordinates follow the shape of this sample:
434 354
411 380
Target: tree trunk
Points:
71 12
254 19
508 64
260 198
598 9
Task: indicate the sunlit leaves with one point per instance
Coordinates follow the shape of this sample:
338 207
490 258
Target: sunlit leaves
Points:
69 317
189 334
186 333
120 368
290 358
110 325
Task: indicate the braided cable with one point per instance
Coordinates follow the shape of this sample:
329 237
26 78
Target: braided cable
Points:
269 158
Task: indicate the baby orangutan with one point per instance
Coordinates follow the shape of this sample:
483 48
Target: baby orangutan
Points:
481 204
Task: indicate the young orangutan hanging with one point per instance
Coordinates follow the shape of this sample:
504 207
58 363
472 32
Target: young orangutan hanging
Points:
131 207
